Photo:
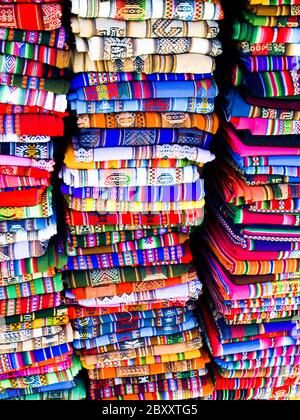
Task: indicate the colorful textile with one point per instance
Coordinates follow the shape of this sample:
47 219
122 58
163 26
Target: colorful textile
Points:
151 28
146 10
35 333
143 92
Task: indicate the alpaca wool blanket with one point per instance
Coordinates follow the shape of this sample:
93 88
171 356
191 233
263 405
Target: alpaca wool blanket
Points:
89 293
18 393
36 287
33 97
118 275
105 48
22 236
268 84
178 254
92 292
180 63
270 63
270 48
190 10
144 220
147 194
58 86
89 204
40 53
278 10
235 105
32 150
208 123
263 34
31 124
141 137
87 155
271 21
95 79
40 17
57 39
13 64
206 88
129 177
191 105
15 361
151 28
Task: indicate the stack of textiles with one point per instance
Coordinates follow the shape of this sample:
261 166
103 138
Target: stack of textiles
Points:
251 314
133 193
36 359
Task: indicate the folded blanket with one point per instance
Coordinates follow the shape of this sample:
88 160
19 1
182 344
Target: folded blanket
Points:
26 335
58 86
141 220
206 89
94 79
173 193
243 31
106 48
151 28
32 97
129 177
43 17
14 64
24 305
177 386
44 379
153 369
208 123
85 340
181 63
270 63
41 370
15 361
23 236
282 21
150 242
31 124
275 10
269 48
90 156
178 254
32 265
118 275
141 10
36 287
268 84
18 393
191 105
235 105
34 150
91 205
141 137
40 53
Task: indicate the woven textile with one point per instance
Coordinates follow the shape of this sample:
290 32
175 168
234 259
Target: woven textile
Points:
36 357
143 10
250 253
151 28
143 93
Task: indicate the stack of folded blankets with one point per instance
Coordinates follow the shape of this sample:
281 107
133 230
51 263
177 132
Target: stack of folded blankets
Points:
36 359
251 314
144 97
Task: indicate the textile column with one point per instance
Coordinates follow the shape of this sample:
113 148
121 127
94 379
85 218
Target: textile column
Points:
143 93
251 312
36 361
